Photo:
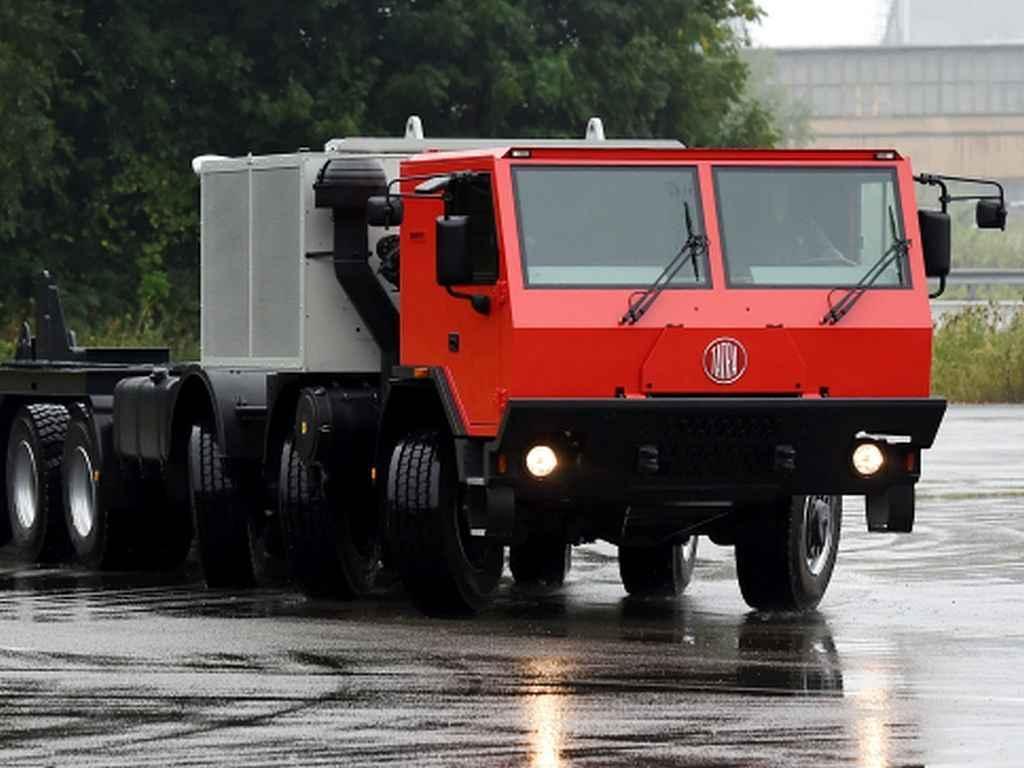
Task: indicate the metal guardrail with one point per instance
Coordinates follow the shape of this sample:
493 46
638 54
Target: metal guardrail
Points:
985 276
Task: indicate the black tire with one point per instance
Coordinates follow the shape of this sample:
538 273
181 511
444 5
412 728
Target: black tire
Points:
330 529
221 514
784 558
444 569
101 535
661 571
35 451
540 559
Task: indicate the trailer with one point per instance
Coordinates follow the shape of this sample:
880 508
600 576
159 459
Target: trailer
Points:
418 353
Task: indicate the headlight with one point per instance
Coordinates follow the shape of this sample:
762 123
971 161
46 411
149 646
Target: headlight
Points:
541 461
868 459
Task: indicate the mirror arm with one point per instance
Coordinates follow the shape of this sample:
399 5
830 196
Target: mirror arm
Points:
932 180
942 288
939 180
480 304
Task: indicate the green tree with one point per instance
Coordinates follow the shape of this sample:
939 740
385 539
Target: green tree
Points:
103 103
663 68
790 116
34 36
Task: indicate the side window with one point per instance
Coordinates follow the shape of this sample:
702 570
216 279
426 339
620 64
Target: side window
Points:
472 197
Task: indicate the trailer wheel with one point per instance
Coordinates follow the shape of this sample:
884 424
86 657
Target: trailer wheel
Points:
660 571
786 552
445 569
35 451
330 529
99 534
221 517
540 560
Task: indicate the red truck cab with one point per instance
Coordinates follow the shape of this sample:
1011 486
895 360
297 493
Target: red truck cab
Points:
647 345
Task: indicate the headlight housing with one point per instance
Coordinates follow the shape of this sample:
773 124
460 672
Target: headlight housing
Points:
541 460
868 459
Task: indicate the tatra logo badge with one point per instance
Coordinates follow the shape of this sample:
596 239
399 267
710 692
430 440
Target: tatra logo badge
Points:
725 361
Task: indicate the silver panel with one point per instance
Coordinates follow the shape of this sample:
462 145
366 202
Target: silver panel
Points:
334 338
225 265
276 263
265 302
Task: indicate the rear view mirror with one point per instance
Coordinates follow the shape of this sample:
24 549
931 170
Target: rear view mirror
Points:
454 266
990 214
384 211
935 242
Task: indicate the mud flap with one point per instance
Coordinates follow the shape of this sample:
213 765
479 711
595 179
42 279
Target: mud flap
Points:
500 508
891 511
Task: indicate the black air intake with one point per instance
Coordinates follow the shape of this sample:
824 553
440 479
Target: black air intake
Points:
344 185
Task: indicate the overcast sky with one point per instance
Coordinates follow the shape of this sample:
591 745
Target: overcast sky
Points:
820 22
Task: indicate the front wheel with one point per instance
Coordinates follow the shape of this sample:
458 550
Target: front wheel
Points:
786 552
664 570
446 570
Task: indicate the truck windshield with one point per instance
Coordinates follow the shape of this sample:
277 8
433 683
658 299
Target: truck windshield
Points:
805 227
607 226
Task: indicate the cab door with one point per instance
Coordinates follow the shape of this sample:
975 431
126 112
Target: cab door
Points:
440 326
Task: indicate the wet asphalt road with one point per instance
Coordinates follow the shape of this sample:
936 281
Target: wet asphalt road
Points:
916 658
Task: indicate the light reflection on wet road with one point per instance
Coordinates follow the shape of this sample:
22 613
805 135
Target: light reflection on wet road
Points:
917 658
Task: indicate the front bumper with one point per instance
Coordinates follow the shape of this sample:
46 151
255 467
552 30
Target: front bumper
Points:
657 450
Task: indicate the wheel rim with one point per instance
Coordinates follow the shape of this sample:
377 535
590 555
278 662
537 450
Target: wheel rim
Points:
82 492
819 532
25 485
475 550
689 550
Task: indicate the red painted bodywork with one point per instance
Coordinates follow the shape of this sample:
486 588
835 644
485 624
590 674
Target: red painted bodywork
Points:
567 343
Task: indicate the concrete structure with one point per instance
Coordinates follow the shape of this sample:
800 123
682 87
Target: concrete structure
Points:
954 22
960 108
946 87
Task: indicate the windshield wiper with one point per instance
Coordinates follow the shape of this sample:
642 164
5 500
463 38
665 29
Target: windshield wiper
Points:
692 248
894 253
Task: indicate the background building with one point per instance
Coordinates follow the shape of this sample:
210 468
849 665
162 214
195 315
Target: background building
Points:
953 22
945 86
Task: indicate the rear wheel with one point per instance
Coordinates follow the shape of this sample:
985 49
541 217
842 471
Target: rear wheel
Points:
221 512
661 571
330 528
35 451
540 559
100 536
445 569
786 552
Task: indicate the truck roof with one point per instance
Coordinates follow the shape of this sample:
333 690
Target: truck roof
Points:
668 151
379 145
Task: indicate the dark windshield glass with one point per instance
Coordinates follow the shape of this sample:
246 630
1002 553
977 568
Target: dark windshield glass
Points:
807 227
605 226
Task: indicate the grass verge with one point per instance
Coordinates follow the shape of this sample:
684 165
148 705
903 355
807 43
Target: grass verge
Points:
978 356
